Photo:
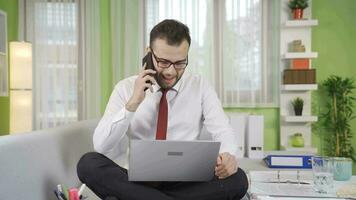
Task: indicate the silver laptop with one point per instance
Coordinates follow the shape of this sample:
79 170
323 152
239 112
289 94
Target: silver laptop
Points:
162 160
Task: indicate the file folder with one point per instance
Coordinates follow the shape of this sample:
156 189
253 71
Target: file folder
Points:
238 123
254 138
289 161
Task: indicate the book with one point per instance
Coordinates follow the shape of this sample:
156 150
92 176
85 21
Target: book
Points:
301 63
284 159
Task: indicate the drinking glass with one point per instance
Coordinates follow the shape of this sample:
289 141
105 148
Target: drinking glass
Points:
342 169
323 174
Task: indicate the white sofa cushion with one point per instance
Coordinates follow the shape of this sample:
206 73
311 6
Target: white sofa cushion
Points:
32 164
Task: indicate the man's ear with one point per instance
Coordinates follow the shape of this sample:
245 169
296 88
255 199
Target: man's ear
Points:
147 49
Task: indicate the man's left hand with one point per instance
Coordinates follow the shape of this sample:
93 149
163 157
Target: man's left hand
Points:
226 165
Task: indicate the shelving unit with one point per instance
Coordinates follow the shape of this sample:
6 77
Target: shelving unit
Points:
308 149
301 23
299 87
289 123
300 55
3 55
303 119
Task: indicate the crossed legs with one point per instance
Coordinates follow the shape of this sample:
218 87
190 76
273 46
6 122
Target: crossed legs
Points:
107 179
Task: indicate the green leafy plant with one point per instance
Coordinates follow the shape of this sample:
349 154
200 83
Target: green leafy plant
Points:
298 102
298 105
295 4
338 115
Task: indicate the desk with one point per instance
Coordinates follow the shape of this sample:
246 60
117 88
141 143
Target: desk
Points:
249 165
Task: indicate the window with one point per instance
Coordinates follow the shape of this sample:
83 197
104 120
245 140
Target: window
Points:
229 46
65 36
55 42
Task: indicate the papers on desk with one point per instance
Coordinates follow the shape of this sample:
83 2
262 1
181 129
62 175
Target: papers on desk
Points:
284 185
284 190
295 198
281 176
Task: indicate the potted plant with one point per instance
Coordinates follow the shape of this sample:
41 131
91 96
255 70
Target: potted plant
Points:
298 106
297 7
297 140
336 121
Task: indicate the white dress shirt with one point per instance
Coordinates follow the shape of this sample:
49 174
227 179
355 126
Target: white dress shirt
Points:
192 104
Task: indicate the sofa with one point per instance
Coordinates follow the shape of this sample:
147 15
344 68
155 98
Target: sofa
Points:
32 164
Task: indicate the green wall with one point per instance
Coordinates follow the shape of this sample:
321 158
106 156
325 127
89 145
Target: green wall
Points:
106 72
10 7
334 39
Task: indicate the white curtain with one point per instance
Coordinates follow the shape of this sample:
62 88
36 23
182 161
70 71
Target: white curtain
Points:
53 31
127 32
60 60
89 60
231 46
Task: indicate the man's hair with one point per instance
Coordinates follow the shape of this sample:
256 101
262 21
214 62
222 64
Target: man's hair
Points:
173 31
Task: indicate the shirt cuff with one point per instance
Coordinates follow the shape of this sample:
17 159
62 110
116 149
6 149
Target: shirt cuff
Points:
229 149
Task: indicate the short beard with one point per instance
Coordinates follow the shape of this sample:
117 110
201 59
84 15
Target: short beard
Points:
158 78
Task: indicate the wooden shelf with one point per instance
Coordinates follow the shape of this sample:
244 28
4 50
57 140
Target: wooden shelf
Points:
299 87
303 118
301 23
306 149
293 55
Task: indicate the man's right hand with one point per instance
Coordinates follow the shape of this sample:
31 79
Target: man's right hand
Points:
141 83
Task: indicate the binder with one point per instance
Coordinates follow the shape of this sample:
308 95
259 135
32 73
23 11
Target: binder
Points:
238 123
254 138
289 161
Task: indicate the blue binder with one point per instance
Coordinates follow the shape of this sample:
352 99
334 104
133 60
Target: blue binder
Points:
289 161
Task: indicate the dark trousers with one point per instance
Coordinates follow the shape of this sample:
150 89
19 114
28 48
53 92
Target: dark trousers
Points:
107 179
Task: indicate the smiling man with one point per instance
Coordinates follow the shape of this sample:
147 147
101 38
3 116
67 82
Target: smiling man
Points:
185 102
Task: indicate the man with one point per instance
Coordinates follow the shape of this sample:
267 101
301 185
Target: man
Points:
135 111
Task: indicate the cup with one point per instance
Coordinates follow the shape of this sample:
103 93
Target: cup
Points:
323 174
342 169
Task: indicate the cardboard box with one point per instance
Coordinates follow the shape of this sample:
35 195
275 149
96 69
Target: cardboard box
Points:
299 76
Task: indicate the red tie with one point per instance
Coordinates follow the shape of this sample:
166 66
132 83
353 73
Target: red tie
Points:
162 117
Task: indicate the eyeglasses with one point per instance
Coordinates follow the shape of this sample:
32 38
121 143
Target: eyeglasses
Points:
164 63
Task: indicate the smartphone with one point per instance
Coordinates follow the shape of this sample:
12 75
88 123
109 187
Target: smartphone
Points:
148 60
149 64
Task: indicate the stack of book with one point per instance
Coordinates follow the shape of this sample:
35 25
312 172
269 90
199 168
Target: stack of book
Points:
298 63
299 71
297 46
